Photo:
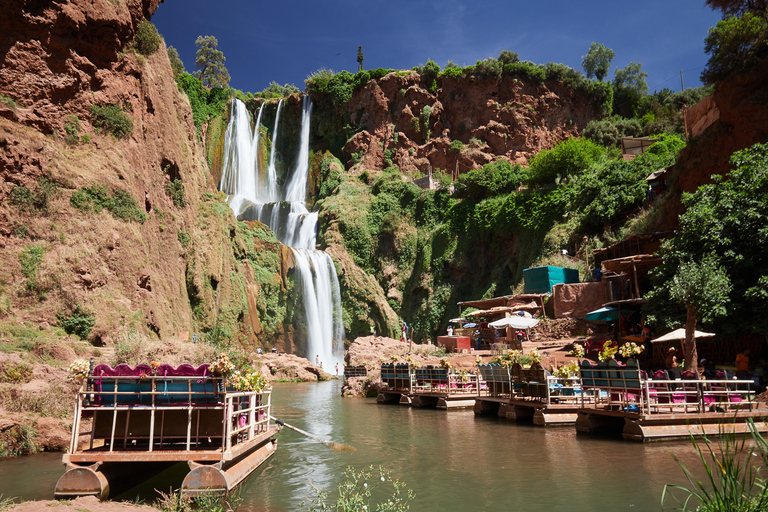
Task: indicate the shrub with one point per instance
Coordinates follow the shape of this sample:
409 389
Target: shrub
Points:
493 179
125 207
37 201
147 40
31 258
205 103
183 237
79 321
72 130
112 119
456 146
425 112
570 157
119 203
608 132
175 190
15 373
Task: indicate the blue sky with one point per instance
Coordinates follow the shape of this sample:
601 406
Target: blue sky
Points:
287 41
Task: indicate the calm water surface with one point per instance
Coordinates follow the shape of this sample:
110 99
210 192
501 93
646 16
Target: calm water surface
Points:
453 460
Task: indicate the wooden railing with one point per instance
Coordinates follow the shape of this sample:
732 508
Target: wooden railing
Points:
170 412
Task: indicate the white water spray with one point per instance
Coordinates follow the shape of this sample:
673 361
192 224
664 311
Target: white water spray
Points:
286 213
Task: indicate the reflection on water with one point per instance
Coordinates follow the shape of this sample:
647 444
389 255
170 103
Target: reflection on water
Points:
453 460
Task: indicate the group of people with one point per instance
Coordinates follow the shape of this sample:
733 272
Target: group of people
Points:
707 369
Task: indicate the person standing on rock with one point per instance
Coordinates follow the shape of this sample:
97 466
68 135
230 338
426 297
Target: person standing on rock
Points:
317 360
337 369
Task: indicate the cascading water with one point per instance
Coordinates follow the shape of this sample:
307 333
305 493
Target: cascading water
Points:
255 194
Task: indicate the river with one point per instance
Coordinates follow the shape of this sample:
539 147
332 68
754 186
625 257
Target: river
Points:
453 460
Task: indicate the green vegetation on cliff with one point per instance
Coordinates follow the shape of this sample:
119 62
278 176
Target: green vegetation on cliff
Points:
428 249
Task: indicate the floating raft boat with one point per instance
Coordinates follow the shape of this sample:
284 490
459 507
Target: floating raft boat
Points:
138 421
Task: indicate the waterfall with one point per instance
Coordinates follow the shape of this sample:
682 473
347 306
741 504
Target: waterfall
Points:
255 194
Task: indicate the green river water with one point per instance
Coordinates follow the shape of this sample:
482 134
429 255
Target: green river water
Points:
453 460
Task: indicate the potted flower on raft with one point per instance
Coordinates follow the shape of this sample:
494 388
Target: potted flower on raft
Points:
577 351
79 370
222 367
608 351
632 349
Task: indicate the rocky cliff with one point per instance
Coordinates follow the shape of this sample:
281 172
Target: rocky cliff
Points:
742 121
456 124
127 231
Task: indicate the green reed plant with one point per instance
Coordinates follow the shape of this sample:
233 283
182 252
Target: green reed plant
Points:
357 490
732 467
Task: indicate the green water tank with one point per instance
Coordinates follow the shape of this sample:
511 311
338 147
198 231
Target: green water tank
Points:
541 279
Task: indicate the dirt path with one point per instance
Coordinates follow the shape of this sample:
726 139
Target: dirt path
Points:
90 504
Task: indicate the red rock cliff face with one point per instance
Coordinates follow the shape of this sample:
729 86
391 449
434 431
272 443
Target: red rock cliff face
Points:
508 118
743 122
59 58
54 54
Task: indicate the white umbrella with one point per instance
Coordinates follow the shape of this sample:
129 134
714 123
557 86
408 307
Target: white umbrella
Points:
679 334
515 321
457 320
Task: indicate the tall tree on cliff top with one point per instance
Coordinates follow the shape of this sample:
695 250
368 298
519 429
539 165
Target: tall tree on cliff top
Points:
176 64
597 61
360 58
210 63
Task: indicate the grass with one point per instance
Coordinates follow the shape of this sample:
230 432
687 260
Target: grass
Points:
173 501
6 503
54 402
732 466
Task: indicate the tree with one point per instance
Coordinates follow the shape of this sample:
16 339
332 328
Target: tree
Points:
210 63
508 57
629 88
725 218
176 64
360 58
699 286
631 77
733 45
597 61
732 8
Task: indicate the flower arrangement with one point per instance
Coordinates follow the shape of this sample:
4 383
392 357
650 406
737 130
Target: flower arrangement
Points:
79 370
534 355
577 350
248 380
630 349
222 365
413 364
444 363
394 358
608 351
567 371
478 360
463 376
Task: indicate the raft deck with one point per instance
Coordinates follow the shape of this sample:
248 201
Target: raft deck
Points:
128 422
